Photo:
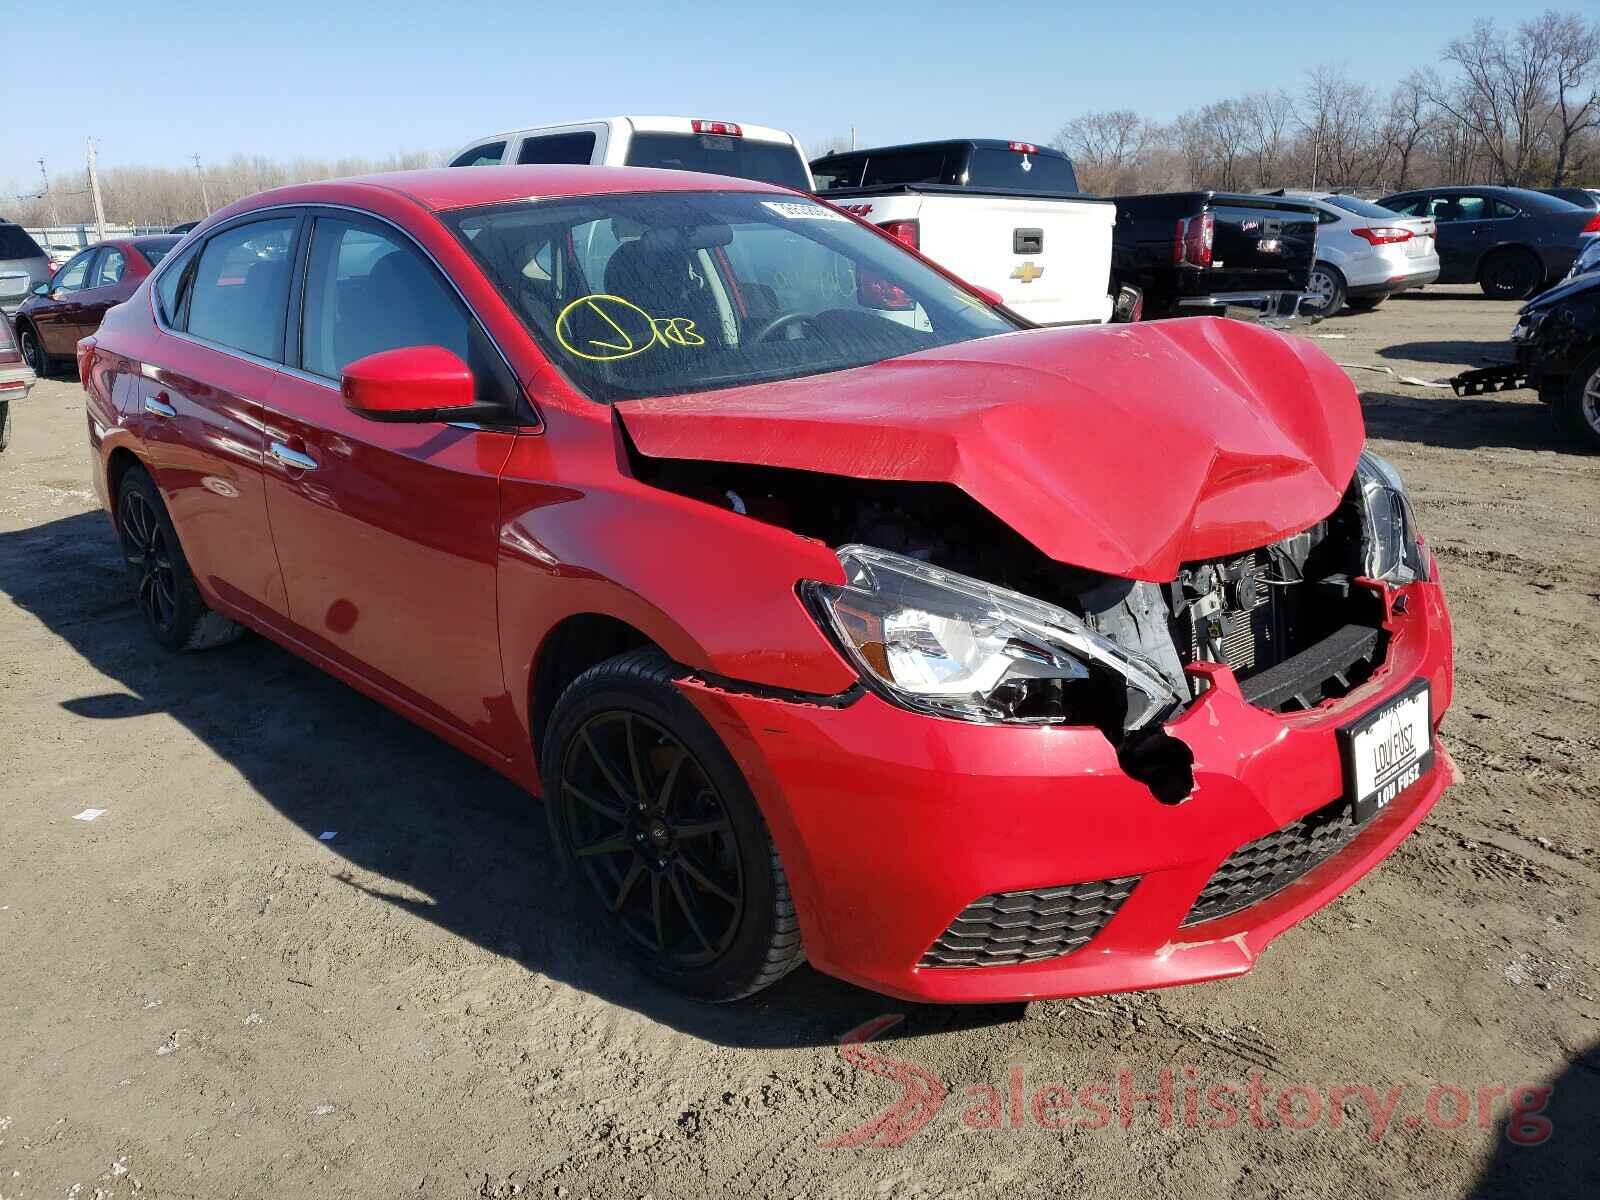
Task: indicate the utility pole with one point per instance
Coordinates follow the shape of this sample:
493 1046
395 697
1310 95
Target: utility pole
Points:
852 137
49 200
94 189
205 198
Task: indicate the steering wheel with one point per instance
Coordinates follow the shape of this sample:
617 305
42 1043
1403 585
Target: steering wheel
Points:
783 322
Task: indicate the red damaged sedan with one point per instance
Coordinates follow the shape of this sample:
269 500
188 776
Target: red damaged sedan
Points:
836 614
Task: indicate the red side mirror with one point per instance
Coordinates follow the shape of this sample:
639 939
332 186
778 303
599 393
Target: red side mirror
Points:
414 383
989 294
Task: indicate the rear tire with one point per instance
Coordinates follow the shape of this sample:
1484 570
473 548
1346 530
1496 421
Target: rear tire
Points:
5 424
1510 275
1324 291
32 350
164 586
1577 406
661 836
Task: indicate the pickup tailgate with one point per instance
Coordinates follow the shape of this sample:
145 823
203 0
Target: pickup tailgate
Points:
1261 244
1048 257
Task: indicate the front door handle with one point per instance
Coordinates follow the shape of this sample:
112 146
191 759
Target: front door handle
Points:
291 458
157 406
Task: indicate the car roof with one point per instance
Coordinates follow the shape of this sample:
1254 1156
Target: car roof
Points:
1525 196
648 124
940 143
444 188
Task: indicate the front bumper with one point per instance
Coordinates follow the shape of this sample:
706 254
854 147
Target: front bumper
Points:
891 823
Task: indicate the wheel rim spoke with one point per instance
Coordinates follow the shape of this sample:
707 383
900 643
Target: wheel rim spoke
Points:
657 907
628 880
700 829
664 797
619 844
688 912
599 806
705 882
610 776
640 793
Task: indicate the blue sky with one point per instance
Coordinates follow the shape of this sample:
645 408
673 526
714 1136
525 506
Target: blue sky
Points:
154 82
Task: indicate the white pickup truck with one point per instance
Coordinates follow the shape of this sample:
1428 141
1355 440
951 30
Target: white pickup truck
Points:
676 143
1003 216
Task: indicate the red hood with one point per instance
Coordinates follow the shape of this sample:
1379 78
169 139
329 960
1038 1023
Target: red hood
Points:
1126 449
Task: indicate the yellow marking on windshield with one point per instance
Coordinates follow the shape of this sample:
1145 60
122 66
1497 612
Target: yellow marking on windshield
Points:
633 330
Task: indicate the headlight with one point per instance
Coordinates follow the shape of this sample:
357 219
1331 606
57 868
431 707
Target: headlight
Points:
1526 326
1391 544
939 642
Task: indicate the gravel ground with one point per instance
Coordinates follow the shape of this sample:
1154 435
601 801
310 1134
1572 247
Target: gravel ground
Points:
202 994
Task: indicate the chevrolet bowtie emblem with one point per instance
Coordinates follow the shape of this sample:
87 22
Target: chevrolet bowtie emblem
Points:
1027 272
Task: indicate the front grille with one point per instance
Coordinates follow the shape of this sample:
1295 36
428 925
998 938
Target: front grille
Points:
1014 927
1269 864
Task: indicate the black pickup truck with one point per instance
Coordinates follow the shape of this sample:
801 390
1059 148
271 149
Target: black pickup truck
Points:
1198 253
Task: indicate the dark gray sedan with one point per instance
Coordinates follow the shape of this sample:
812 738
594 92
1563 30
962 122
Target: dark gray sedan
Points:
1509 241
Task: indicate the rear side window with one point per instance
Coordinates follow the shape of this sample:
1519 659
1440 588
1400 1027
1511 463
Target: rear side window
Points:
838 172
109 271
241 285
487 155
168 294
15 243
1361 208
1406 206
1021 172
742 158
906 166
557 148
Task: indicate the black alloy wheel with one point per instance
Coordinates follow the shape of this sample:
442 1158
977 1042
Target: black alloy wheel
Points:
653 838
33 351
1511 275
661 833
150 561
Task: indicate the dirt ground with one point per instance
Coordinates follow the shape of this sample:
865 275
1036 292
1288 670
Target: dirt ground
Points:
204 994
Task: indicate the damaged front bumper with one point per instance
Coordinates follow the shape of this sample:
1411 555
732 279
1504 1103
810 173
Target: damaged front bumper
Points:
896 827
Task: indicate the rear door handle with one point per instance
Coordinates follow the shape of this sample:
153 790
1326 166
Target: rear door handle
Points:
291 458
157 406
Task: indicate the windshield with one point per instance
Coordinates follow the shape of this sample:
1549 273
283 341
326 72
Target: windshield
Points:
1361 208
155 249
666 293
743 158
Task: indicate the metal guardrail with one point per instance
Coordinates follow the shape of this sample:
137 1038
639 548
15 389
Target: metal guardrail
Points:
76 237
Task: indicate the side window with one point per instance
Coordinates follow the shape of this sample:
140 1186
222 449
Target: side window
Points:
1500 209
557 148
1459 208
487 155
833 173
241 285
905 166
168 297
1407 206
1324 217
71 277
367 292
109 272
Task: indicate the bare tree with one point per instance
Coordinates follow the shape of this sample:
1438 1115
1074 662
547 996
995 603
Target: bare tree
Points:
1405 127
1107 148
1574 45
1267 117
1503 95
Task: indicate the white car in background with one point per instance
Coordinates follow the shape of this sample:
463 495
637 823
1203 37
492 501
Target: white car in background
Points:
676 143
1365 253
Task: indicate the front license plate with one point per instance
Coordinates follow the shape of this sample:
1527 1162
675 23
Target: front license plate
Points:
1387 750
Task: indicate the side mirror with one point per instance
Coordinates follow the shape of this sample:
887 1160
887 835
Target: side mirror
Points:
414 384
989 294
41 289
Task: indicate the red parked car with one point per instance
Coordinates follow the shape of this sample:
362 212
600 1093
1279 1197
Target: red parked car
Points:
75 301
836 614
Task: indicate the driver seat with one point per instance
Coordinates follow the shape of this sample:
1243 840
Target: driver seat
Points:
666 280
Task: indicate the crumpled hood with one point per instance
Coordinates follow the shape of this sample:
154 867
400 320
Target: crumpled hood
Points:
1125 449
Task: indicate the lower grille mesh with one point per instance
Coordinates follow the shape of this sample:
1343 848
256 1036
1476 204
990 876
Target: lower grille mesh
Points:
1269 864
1013 927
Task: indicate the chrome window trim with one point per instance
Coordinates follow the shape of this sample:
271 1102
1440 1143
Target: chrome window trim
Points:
308 208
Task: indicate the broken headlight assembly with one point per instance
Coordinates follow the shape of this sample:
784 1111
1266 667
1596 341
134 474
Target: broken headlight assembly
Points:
1391 546
942 643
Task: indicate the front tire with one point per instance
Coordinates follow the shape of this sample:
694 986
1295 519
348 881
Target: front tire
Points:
1324 291
1510 275
661 833
164 586
1576 407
